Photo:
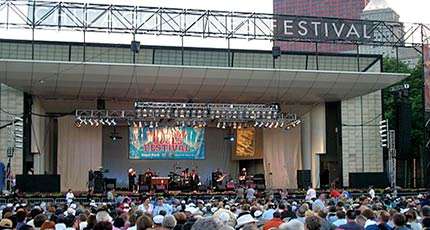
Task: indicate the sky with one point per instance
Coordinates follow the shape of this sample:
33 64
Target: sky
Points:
412 10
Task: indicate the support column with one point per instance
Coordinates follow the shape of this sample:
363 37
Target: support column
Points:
306 142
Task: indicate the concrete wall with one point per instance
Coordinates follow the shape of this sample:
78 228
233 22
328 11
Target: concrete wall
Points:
361 150
11 102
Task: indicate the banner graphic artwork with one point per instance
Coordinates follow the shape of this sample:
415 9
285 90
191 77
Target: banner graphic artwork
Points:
173 143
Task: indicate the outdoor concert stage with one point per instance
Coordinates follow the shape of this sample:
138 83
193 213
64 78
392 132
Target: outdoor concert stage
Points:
293 117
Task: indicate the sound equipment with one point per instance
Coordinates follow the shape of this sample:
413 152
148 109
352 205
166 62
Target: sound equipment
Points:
404 127
38 183
101 104
304 179
135 46
366 179
160 188
110 183
144 188
260 187
259 179
99 185
276 52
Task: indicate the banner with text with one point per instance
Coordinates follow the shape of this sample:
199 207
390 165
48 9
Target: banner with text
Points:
324 29
172 143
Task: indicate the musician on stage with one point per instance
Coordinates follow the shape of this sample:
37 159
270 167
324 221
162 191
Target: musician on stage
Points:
185 175
217 178
194 179
131 179
243 175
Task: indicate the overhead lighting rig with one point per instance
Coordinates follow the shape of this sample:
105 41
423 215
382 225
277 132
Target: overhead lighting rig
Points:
155 114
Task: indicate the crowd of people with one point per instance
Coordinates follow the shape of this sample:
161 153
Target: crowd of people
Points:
247 211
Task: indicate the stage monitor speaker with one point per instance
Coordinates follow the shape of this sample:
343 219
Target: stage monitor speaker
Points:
144 188
260 187
304 179
38 183
101 104
366 179
259 179
110 183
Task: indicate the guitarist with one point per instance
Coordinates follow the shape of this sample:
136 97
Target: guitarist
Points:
243 175
217 177
131 179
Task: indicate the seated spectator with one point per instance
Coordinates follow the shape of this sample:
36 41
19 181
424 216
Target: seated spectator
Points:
274 222
351 223
312 223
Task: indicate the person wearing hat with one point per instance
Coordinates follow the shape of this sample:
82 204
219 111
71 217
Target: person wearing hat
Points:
160 205
245 220
158 221
6 224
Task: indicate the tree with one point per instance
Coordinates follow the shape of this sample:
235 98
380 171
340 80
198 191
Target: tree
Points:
416 83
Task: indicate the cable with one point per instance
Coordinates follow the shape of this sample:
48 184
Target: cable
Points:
365 123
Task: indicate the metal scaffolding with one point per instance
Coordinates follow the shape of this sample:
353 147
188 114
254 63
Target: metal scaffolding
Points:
86 17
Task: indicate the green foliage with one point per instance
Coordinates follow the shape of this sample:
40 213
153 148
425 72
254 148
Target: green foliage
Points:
416 84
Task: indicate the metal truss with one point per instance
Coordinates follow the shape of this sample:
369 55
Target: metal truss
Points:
85 17
160 118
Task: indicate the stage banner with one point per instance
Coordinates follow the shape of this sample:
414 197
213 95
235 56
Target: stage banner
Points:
167 143
427 77
248 144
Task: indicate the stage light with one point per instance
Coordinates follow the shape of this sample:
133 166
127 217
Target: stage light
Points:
282 125
156 124
223 125
256 124
140 124
96 122
113 122
234 125
218 125
102 121
261 124
78 123
108 122
271 125
239 126
276 124
151 125
267 125
91 122
183 123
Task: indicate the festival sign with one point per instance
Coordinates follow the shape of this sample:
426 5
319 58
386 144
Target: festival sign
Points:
323 29
173 143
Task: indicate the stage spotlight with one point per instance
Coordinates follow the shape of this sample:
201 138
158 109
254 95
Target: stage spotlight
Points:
282 125
108 122
91 122
288 127
102 121
294 124
232 139
156 124
96 122
267 125
113 122
239 126
256 124
234 125
78 123
271 124
276 124
223 125
140 124
261 124
85 122
218 125
151 125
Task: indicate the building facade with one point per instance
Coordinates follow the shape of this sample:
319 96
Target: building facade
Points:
327 8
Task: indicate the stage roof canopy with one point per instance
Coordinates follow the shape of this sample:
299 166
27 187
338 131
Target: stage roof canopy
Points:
71 80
